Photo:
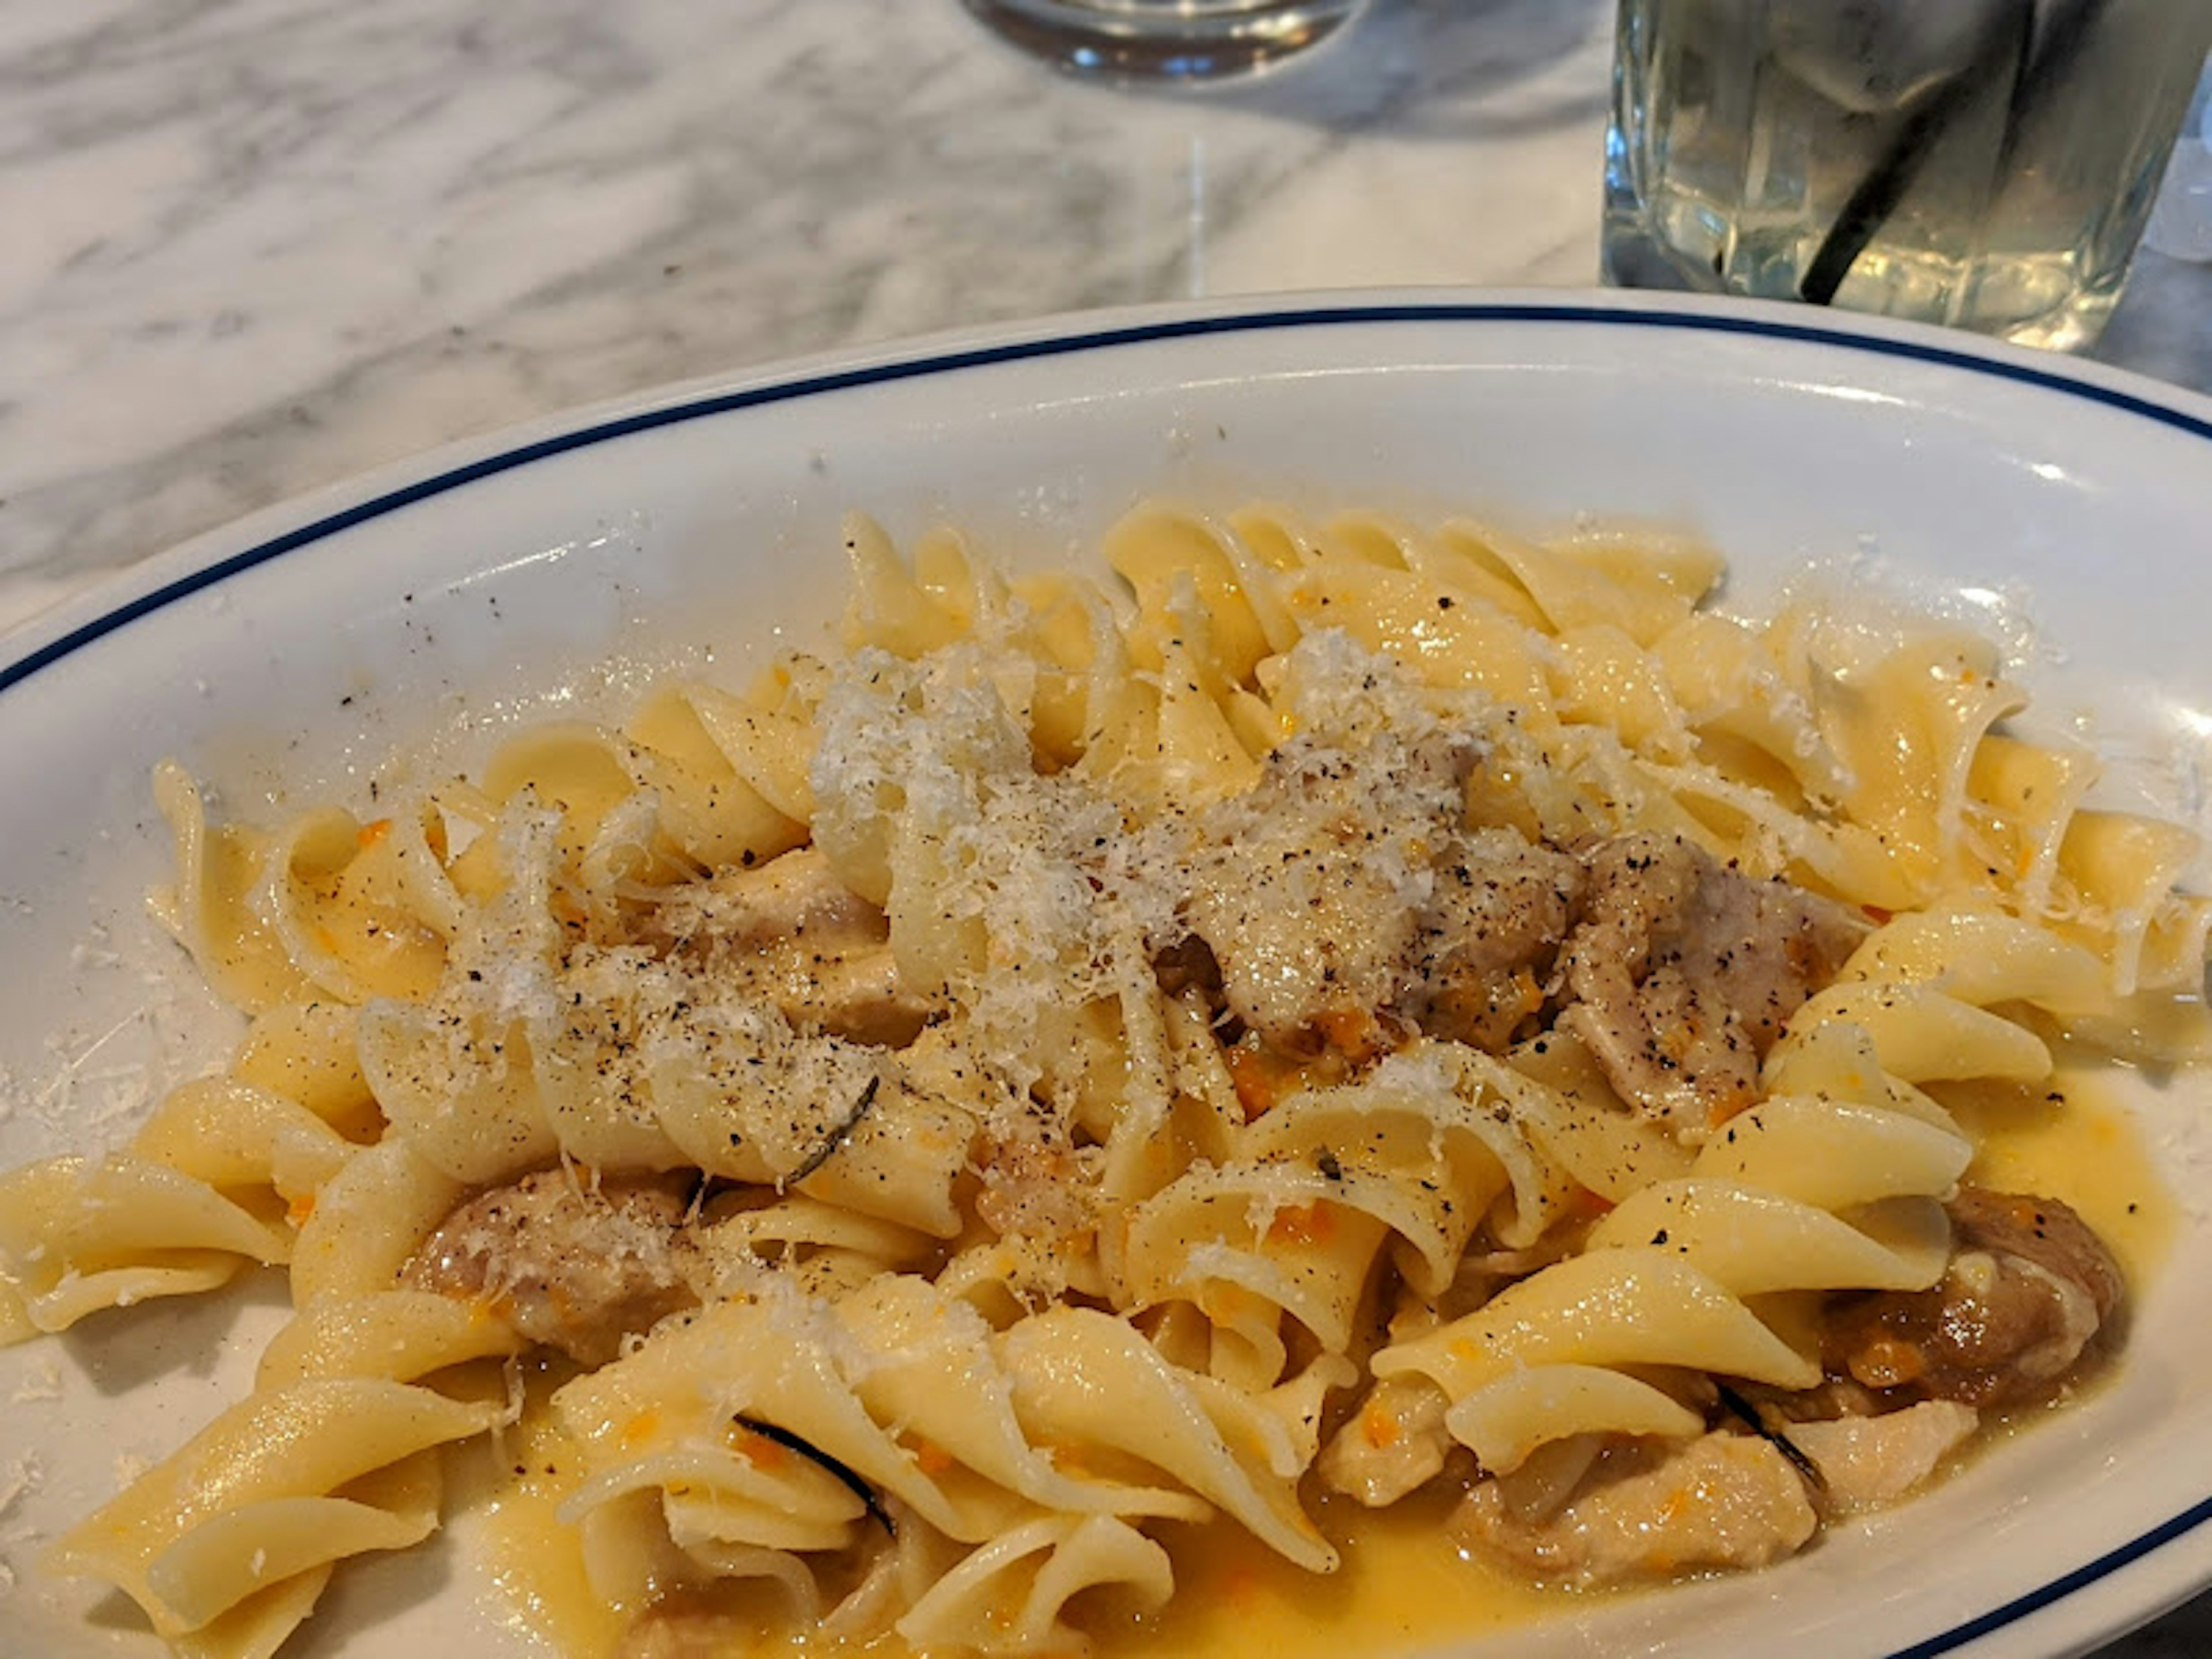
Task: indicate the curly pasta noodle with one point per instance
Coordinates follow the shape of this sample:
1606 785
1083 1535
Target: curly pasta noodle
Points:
1341 1007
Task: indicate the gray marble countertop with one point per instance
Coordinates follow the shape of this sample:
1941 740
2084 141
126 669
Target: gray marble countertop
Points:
255 247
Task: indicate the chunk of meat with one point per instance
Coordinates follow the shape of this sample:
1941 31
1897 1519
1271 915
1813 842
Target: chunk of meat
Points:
790 930
1328 927
1684 973
1187 963
2042 1230
1484 945
1307 928
1870 1462
1395 1442
2029 1289
1308 886
1724 1500
572 1267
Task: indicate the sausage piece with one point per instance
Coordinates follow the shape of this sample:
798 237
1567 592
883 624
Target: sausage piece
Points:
2029 1289
573 1267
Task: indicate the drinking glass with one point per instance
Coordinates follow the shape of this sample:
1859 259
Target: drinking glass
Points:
1984 163
1189 40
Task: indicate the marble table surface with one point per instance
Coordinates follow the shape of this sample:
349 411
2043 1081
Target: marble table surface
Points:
254 246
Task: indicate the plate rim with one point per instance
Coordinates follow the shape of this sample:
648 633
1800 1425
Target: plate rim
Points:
115 601
118 599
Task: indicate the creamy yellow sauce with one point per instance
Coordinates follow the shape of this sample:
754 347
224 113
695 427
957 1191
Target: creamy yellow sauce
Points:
536 1562
1404 1585
2072 1138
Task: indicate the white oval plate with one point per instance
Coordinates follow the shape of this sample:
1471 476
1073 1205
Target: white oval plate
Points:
290 653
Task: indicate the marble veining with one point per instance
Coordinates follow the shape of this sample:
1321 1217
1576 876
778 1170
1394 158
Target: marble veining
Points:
255 247
259 246
264 245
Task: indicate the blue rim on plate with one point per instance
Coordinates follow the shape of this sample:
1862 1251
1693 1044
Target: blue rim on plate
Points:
1925 349
1060 345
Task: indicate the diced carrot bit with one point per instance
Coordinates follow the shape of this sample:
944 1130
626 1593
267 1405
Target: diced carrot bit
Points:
1587 1202
1303 1223
369 834
1379 1426
759 1451
1254 1081
300 1209
1532 993
1888 1362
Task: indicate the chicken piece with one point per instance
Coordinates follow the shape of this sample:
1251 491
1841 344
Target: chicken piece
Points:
572 1267
1724 1500
1395 1442
1308 886
1870 1462
1307 924
2029 1289
1485 944
1684 973
790 931
1329 917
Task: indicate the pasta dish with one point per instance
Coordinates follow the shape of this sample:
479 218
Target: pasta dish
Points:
1338 1011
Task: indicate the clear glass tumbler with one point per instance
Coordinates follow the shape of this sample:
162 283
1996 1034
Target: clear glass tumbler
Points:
1190 40
1983 163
